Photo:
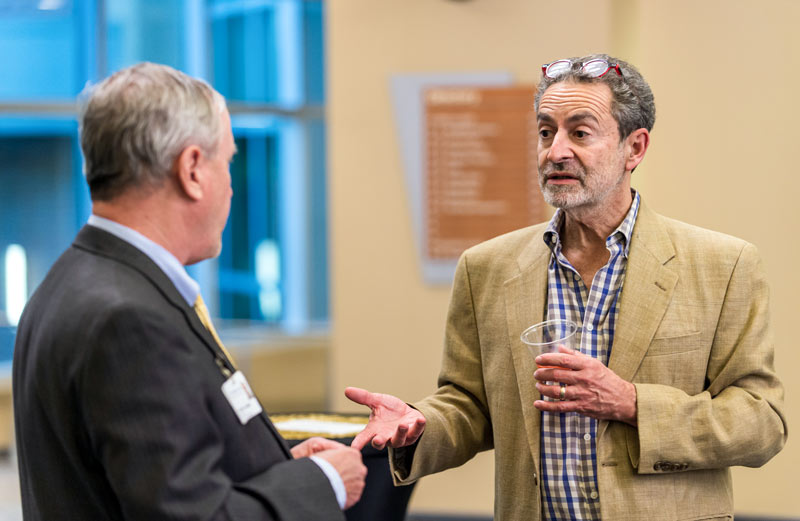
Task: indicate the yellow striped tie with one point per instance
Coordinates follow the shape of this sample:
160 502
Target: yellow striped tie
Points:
202 313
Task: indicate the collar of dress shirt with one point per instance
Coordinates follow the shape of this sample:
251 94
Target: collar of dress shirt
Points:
169 264
623 232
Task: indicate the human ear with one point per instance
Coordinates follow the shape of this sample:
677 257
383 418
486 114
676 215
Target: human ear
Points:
189 173
636 145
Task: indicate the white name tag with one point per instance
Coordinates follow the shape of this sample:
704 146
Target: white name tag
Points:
241 397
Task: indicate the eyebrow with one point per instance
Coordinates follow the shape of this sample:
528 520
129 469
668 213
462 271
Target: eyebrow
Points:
575 118
581 116
544 117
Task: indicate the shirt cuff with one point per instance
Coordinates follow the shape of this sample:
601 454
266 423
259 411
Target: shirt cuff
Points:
335 479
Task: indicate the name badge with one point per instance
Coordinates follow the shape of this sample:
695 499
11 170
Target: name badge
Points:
241 397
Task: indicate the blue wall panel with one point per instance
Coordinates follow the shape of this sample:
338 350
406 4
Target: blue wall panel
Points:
40 58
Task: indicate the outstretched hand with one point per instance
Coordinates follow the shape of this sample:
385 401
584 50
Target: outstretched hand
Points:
392 422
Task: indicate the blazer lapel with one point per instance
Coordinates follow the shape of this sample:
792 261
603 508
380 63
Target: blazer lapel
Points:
525 300
646 294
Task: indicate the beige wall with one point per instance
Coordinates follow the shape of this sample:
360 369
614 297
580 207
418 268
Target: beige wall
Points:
725 77
719 159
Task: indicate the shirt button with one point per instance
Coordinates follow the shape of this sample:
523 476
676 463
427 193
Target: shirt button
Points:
593 495
587 436
589 328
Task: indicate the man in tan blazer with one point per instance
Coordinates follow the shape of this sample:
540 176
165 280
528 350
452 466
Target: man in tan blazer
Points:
674 380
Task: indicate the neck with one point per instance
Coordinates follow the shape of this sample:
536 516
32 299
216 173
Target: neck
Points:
150 214
589 227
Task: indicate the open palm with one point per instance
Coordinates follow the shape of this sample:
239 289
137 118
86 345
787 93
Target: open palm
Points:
392 422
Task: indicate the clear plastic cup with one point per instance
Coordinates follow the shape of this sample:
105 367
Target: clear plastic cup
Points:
547 336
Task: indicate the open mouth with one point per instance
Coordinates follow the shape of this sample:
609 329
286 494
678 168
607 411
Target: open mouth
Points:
561 177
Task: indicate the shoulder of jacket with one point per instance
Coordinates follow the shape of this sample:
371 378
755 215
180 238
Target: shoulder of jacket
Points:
687 235
511 243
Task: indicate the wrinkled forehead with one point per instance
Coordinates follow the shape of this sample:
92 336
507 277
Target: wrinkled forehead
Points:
565 98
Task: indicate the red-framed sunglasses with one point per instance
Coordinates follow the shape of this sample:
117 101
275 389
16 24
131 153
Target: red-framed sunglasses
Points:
596 68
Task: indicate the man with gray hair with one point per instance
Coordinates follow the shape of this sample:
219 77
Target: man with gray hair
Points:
127 405
672 379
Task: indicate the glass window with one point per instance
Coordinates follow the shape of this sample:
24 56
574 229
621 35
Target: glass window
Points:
245 66
144 30
42 203
265 56
268 62
249 265
43 48
313 50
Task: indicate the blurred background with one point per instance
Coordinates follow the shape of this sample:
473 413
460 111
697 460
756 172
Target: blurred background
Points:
319 283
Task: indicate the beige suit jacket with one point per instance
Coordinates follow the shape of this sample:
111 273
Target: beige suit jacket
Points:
692 335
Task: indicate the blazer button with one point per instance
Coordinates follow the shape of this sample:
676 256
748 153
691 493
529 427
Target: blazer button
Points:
657 466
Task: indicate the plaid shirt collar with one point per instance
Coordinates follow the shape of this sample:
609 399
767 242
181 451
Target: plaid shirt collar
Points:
623 232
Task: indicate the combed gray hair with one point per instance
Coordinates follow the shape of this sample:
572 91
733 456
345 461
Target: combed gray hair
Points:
135 123
632 105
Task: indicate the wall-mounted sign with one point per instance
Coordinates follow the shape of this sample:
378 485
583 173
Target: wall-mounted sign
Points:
468 143
481 171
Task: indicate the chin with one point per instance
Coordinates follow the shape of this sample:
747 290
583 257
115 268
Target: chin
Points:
214 252
561 199
208 254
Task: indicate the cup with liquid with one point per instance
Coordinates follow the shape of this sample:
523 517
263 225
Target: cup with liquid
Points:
545 337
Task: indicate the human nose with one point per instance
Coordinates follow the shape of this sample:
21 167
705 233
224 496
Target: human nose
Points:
560 148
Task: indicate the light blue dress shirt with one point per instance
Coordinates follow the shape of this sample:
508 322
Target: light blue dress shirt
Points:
189 290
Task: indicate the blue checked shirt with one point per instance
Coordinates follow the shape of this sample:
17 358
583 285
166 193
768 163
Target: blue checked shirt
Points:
568 448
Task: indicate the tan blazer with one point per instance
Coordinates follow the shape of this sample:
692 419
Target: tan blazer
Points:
693 335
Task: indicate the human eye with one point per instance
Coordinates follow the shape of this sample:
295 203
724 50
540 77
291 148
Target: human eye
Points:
581 134
545 133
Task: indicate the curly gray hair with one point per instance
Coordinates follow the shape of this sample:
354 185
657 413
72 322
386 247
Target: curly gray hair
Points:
632 106
135 123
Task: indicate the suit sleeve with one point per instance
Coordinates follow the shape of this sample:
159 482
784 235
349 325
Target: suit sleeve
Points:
153 433
738 419
457 416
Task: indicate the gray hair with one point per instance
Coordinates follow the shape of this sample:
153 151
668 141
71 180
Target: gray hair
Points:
632 105
135 123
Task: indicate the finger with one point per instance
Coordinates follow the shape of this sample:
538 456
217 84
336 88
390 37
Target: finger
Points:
551 374
355 490
379 442
361 439
551 391
319 443
545 374
360 396
299 451
399 438
413 435
415 430
559 360
556 407
564 349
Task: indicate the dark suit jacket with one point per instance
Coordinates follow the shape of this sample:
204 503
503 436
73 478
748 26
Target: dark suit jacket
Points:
119 412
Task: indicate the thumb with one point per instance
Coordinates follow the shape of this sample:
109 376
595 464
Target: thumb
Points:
360 396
